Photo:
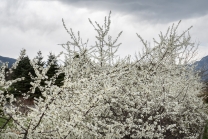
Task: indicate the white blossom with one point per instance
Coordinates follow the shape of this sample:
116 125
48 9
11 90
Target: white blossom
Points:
107 98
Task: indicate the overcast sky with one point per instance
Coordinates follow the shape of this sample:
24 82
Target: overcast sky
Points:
37 24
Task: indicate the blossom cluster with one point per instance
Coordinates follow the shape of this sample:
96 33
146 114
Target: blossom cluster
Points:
154 96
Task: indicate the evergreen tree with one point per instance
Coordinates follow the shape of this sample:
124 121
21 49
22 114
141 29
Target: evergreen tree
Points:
40 63
39 57
59 79
54 67
22 70
52 62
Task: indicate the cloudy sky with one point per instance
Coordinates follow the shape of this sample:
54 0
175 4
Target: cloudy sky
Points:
37 24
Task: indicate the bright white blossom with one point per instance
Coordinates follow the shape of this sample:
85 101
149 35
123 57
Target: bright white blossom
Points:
154 96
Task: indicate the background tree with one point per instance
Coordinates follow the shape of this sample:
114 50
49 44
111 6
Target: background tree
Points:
203 73
41 64
22 70
39 59
53 70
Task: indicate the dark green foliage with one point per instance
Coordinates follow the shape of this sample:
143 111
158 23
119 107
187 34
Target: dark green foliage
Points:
23 69
54 67
41 63
204 94
39 57
59 79
205 134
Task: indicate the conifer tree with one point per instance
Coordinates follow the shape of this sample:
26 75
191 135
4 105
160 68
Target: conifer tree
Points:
54 67
40 63
22 70
39 57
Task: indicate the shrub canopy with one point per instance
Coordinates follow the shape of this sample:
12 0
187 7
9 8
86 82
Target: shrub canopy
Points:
154 96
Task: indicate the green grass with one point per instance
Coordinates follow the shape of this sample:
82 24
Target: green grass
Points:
8 89
3 121
205 135
1 88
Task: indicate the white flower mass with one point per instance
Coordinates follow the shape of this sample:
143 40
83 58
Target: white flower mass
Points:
153 96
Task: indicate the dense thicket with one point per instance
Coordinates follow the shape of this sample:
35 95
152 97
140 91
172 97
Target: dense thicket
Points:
153 96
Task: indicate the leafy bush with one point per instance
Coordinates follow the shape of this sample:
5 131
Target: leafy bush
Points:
154 96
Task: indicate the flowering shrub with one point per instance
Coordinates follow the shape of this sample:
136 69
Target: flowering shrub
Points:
154 96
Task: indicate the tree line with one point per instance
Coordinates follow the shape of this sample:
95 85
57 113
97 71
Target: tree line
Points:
26 70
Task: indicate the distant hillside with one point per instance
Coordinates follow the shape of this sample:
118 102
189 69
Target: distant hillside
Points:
203 65
7 59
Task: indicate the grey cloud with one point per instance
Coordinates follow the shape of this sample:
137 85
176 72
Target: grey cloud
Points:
152 10
14 14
